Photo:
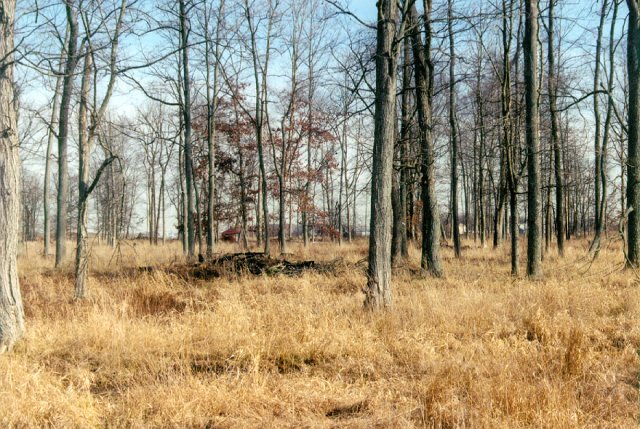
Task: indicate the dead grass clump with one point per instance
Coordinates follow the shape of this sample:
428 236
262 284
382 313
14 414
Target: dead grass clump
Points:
348 411
145 303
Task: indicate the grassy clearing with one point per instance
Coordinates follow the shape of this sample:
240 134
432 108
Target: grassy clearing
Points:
477 349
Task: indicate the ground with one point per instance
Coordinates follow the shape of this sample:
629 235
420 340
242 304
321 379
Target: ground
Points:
476 349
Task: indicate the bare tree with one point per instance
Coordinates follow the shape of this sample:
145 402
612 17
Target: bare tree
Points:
11 310
599 222
534 237
399 245
555 132
378 291
188 143
51 136
87 132
212 106
71 62
260 74
453 131
633 154
430 260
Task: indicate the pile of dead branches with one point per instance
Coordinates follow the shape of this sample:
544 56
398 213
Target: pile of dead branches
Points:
257 264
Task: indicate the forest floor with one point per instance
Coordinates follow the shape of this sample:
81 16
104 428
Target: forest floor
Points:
476 349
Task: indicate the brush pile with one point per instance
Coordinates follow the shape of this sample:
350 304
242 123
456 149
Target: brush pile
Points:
258 264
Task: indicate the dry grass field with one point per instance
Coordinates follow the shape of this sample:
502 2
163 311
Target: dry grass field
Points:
477 349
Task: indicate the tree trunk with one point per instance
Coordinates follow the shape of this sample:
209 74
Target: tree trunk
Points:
481 149
378 291
633 155
198 218
11 310
243 200
453 133
405 136
555 134
534 247
63 133
183 209
513 229
188 144
398 221
51 136
84 152
597 130
430 259
212 105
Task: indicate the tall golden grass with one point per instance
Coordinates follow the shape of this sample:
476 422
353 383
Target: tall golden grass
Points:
476 349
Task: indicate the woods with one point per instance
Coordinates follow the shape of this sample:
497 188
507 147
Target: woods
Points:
322 213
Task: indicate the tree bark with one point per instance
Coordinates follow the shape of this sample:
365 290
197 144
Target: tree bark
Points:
555 134
11 310
597 131
430 259
633 155
63 132
84 150
378 291
453 133
51 137
212 105
188 144
260 73
534 248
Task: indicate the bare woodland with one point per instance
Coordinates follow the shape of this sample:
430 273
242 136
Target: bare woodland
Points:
418 127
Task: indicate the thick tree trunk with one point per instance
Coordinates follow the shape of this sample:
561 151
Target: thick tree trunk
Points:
633 155
378 291
534 248
430 260
11 310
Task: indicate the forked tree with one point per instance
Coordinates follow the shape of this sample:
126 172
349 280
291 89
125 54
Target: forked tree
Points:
423 65
87 133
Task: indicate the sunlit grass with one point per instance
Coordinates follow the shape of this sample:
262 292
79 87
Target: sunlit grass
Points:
476 349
